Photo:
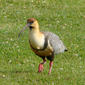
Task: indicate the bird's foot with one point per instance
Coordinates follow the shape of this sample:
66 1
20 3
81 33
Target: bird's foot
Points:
49 72
40 68
50 64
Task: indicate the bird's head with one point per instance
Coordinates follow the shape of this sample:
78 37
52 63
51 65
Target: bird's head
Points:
32 24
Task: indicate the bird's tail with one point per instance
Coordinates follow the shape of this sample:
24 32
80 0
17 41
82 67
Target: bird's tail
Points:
66 49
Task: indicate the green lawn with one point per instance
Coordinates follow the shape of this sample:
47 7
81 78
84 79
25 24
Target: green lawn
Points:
19 65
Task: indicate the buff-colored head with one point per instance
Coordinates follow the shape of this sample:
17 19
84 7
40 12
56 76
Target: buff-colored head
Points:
32 24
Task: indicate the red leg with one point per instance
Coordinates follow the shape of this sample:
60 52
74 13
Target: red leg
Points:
40 68
50 64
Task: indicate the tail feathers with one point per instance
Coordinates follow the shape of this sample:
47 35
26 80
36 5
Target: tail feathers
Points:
66 50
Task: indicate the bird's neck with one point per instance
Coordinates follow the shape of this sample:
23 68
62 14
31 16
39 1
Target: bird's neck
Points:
36 38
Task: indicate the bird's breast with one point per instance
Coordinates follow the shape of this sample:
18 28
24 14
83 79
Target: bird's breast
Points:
36 40
46 52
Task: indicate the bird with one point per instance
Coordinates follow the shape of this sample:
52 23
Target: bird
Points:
44 44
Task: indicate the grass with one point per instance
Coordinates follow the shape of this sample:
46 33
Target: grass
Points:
18 64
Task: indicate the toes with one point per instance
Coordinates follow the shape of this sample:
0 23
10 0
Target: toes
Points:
49 72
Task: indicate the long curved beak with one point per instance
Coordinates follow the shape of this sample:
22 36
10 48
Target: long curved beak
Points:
23 30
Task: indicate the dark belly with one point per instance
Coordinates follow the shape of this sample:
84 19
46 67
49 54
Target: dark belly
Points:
46 52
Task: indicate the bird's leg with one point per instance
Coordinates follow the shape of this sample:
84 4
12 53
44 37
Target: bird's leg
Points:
50 64
40 68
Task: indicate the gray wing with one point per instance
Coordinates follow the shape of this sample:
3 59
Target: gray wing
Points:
55 42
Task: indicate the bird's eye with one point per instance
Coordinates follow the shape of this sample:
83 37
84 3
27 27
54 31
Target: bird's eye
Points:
30 27
31 22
